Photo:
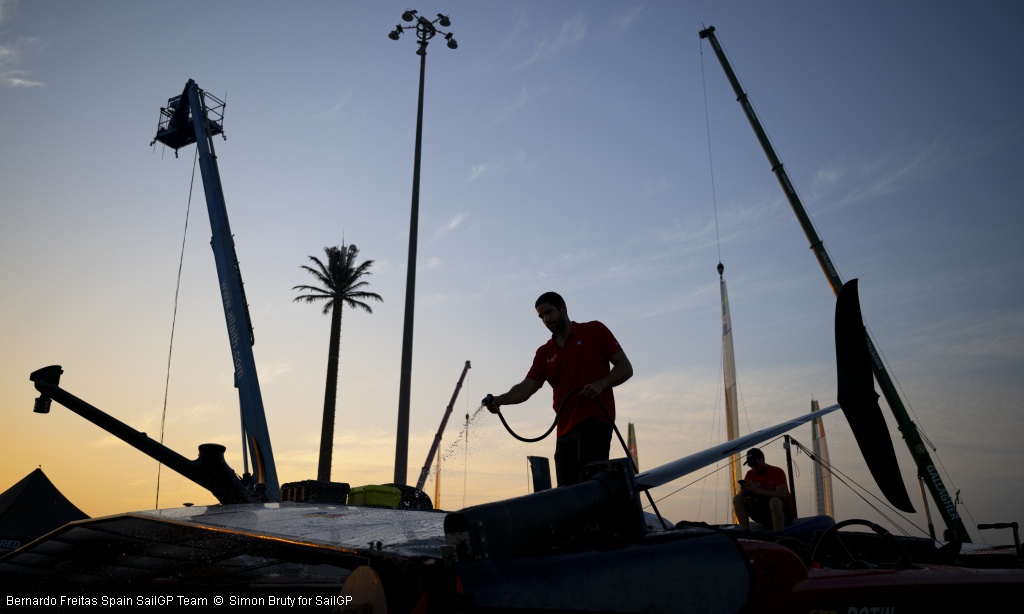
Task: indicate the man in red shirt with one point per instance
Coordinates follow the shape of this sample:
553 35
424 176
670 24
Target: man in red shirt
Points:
582 362
764 496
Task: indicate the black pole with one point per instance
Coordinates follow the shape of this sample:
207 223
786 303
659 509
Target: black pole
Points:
425 30
404 390
789 472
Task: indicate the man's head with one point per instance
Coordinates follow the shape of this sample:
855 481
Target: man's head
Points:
755 459
551 298
551 310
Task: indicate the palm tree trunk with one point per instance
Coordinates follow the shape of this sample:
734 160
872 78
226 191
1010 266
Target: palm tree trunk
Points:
330 396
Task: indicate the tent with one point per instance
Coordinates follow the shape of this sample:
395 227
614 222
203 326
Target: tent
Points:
31 508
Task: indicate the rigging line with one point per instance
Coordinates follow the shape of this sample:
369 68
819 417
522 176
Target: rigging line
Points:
685 486
721 468
858 490
847 481
711 164
715 430
718 242
921 431
174 319
906 402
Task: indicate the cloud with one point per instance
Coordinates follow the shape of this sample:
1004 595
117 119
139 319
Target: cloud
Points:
520 23
825 177
511 109
513 161
621 22
12 52
450 225
923 164
268 372
14 79
888 172
570 36
338 106
656 187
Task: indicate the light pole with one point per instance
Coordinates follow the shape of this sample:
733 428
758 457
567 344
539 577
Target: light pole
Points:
425 30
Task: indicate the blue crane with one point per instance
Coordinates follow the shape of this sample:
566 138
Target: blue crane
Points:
196 117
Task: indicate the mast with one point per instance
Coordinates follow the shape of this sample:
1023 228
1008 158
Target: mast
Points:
732 420
926 468
631 444
822 473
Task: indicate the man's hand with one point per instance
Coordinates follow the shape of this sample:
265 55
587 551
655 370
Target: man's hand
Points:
491 403
593 389
517 394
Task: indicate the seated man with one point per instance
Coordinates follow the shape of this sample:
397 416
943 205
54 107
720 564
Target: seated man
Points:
764 496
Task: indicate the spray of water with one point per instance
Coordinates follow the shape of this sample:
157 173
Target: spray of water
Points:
456 444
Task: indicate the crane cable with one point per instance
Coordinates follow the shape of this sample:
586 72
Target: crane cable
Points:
721 269
174 318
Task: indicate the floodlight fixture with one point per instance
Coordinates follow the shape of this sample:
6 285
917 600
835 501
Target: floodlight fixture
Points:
425 30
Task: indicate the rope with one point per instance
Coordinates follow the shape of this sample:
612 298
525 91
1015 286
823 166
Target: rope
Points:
174 319
711 163
850 483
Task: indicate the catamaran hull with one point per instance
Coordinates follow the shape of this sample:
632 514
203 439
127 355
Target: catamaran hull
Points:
782 583
334 550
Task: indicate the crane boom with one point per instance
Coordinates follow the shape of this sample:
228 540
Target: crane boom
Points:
440 431
188 119
925 466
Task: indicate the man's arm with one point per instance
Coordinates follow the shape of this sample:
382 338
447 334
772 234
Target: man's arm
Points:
519 393
779 491
621 371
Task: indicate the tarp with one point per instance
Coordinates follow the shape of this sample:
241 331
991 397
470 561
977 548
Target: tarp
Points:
32 508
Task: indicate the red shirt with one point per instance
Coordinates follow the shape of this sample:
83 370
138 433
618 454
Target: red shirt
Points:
584 359
772 478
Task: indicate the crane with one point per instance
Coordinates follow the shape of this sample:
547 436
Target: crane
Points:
440 431
196 117
926 470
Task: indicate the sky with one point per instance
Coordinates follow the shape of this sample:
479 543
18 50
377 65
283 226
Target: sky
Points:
592 148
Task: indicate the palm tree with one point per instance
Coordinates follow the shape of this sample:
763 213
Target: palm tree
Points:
341 284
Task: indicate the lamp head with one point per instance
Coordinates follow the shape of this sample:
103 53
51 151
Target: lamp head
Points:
394 34
444 21
452 43
409 15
